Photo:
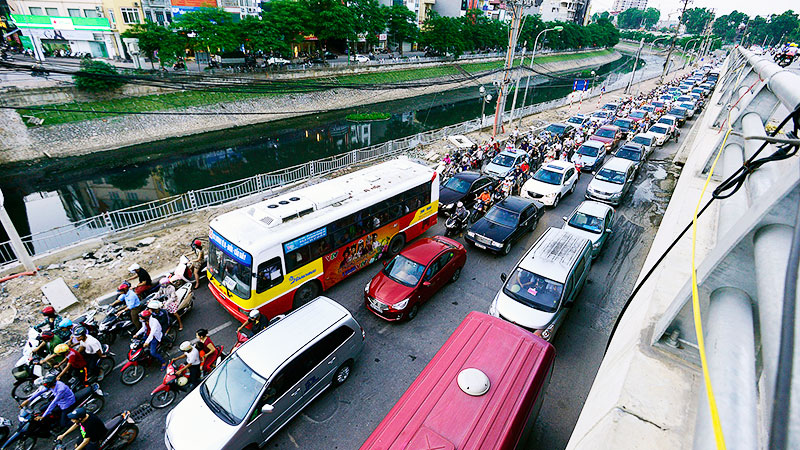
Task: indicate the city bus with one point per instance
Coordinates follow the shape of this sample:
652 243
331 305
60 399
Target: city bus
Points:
284 251
482 390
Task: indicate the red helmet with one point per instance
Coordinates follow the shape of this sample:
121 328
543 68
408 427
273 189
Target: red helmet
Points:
145 314
123 287
49 311
197 243
47 336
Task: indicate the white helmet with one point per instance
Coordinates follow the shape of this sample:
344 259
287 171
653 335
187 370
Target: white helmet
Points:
459 205
254 314
133 267
186 346
164 281
154 304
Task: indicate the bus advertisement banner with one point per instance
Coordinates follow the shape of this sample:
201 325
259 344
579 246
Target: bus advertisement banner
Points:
354 256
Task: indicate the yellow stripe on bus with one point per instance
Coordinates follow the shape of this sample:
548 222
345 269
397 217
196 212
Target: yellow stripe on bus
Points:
426 211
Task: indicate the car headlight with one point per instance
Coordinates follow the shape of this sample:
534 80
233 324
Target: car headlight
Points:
595 244
471 233
401 304
366 288
616 195
551 195
497 244
493 308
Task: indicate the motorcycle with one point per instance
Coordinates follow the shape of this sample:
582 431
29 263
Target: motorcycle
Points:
242 337
166 393
122 431
479 210
91 397
138 356
183 272
784 60
456 224
113 325
29 431
5 429
27 368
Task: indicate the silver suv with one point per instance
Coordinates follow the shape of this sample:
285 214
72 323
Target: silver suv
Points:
268 380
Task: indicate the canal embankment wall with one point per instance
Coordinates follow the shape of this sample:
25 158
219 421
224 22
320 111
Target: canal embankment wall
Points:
20 143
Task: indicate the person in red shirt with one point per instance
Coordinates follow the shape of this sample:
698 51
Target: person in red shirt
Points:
524 167
74 361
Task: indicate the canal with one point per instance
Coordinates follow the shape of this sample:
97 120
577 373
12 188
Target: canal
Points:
49 194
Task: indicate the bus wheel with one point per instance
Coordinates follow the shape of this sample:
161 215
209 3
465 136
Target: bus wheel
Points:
396 244
305 294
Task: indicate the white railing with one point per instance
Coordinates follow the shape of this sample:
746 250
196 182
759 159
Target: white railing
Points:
124 219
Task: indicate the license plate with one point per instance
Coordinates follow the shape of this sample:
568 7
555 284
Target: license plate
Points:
479 245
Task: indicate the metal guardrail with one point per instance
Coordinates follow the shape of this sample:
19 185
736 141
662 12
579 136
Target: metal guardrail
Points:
741 281
62 237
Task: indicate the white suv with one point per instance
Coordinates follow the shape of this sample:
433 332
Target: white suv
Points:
552 182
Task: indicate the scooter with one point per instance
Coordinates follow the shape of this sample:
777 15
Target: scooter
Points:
166 393
138 356
91 397
29 431
114 325
183 273
478 210
122 431
456 224
27 368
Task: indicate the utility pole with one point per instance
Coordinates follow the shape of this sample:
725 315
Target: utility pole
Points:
635 63
533 57
672 42
517 7
516 86
16 243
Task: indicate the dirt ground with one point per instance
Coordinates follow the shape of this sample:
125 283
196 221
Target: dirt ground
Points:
100 271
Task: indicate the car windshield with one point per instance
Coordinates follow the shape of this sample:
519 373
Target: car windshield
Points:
556 129
677 112
577 120
610 106
666 120
547 176
686 105
612 176
643 140
629 153
502 217
503 160
586 150
230 390
229 272
586 222
602 114
533 290
622 123
659 130
648 108
658 104
404 270
638 114
457 184
605 132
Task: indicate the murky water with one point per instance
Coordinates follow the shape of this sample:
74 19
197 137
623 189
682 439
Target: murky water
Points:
51 194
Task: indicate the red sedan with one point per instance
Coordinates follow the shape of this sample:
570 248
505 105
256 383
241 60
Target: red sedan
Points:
413 276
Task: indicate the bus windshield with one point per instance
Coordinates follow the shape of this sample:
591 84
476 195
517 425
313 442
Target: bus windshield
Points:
231 273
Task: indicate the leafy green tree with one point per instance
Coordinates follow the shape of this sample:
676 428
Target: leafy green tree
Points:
97 76
481 32
330 19
370 20
631 18
651 16
696 19
400 25
443 35
213 29
726 26
289 17
785 25
264 35
603 15
158 42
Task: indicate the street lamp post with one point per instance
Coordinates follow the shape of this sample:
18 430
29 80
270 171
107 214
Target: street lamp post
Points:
485 98
533 55
654 42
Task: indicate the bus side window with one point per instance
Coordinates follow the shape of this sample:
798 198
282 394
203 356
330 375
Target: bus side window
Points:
269 275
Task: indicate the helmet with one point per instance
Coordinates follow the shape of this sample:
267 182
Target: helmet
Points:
49 311
145 314
65 323
154 304
133 267
49 380
459 205
79 331
47 336
123 287
186 346
197 243
254 314
164 281
61 348
77 413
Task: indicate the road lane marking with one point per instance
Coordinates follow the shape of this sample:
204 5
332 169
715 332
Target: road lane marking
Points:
382 330
210 333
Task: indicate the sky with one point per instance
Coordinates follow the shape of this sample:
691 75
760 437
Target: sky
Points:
721 7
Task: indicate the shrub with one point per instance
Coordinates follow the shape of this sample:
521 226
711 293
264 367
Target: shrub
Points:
97 76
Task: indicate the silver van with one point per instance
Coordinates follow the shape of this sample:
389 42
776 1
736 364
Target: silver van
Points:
542 287
267 381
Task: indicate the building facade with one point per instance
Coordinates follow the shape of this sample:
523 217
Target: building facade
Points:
622 5
157 11
241 8
575 11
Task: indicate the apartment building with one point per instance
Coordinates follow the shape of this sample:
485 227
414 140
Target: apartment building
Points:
622 5
575 11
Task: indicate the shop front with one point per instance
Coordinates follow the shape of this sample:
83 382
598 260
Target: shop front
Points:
50 36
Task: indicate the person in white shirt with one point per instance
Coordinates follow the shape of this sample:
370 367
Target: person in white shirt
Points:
91 348
193 362
152 328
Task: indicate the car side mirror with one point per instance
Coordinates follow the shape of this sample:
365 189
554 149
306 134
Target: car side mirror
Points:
426 283
564 218
266 409
503 276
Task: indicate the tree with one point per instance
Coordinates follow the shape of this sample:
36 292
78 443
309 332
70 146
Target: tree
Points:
443 35
97 76
631 18
603 15
696 19
651 16
785 25
330 19
370 20
289 17
158 42
213 28
481 32
400 25
726 26
263 35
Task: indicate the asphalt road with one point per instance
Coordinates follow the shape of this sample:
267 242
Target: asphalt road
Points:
395 353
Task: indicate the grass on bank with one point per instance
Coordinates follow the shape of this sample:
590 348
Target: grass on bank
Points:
185 99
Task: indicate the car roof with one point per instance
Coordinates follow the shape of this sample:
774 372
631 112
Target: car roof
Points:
634 145
668 116
468 175
593 208
558 165
423 250
646 134
515 153
597 144
624 118
515 203
618 164
659 125
609 127
299 327
554 254
562 124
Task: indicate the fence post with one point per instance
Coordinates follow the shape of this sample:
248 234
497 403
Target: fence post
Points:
259 182
354 157
192 200
108 221
311 169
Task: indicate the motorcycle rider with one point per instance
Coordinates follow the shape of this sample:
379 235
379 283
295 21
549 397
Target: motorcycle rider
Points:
63 399
49 342
93 430
166 291
197 262
145 282
74 361
51 319
255 321
132 303
485 196
152 329
64 330
90 347
156 309
209 352
193 362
